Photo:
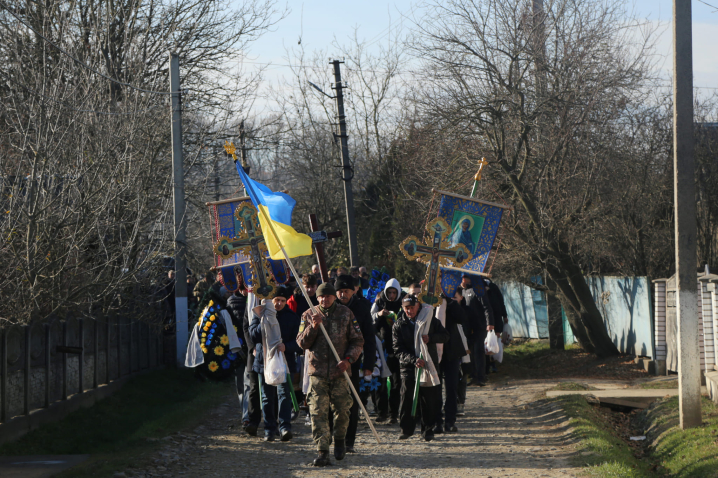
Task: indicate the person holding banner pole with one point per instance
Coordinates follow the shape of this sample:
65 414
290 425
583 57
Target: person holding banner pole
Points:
327 390
415 334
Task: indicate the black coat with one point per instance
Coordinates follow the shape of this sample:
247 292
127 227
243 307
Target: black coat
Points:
361 308
237 308
479 314
496 299
455 315
403 335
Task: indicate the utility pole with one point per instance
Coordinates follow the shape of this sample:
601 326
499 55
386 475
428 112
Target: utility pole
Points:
347 171
689 370
181 330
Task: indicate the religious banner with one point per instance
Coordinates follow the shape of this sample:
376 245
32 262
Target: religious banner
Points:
236 236
473 223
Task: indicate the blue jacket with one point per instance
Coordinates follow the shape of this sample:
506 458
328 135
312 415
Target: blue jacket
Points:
289 326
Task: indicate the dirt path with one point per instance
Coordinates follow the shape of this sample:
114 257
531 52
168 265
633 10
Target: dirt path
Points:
506 432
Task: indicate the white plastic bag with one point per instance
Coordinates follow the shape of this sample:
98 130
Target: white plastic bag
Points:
275 371
506 335
499 356
491 345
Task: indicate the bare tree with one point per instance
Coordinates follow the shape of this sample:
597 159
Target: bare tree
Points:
84 141
543 94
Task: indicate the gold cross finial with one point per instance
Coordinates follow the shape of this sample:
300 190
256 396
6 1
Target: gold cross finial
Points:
230 149
482 163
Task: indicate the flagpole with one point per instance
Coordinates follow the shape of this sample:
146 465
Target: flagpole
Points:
314 312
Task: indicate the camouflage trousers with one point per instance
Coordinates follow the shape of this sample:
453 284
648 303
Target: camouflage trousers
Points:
324 397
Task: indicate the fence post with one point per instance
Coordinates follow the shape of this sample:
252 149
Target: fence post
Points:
64 361
28 366
3 383
107 352
147 343
96 350
119 347
81 357
48 365
129 350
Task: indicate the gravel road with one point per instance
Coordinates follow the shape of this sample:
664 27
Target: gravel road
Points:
507 431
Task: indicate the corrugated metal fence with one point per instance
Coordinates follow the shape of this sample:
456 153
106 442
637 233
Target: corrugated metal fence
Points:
624 302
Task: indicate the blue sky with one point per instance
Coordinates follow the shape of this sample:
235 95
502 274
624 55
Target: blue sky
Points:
318 22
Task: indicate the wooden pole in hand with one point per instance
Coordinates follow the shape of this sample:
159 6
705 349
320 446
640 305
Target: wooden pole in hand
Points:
315 311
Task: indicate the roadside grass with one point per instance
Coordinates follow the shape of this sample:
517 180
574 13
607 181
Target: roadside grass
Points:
600 452
122 430
572 387
667 384
683 453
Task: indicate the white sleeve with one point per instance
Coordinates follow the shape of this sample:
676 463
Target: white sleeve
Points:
194 356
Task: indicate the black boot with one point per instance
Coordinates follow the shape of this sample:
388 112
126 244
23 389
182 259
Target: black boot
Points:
322 459
340 449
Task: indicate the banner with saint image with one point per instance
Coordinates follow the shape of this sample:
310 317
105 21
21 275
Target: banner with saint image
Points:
474 223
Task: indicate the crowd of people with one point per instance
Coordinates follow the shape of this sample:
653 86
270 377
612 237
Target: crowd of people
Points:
385 347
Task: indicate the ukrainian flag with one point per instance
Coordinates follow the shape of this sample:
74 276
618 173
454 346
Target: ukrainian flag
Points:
278 207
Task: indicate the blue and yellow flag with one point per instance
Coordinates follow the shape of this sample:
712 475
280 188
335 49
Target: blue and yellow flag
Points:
278 207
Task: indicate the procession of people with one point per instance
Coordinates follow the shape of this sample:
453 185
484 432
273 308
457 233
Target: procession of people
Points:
420 358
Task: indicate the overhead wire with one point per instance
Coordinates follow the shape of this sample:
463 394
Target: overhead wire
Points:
113 80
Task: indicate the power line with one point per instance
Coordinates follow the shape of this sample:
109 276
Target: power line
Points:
712 6
78 61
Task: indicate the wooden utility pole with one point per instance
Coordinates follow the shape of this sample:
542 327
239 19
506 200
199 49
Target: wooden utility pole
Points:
347 171
689 370
181 329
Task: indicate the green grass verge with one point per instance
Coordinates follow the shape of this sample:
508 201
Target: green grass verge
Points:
660 384
115 430
600 451
572 386
683 453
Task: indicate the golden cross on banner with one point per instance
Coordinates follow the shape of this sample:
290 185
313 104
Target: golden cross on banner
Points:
437 252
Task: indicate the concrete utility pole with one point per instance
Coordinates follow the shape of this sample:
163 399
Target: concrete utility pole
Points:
179 217
689 370
347 171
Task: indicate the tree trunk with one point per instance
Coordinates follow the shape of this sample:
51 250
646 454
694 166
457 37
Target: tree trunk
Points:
570 305
555 318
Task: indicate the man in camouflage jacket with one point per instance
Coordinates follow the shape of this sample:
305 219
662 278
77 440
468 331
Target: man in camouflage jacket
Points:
328 389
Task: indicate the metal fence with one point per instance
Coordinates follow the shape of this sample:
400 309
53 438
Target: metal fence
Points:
43 363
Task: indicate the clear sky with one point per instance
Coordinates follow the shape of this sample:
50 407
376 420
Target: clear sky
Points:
318 22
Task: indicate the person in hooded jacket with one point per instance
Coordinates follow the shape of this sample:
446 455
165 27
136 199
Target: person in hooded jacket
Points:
453 351
289 326
409 358
361 308
388 301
